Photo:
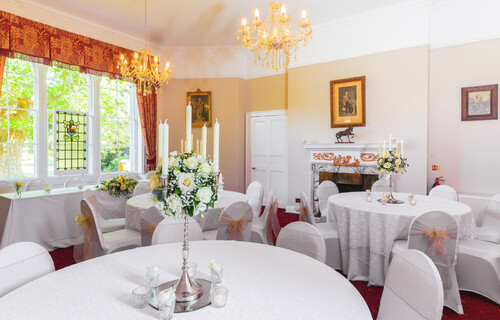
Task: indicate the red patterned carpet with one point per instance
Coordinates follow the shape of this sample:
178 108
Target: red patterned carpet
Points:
475 306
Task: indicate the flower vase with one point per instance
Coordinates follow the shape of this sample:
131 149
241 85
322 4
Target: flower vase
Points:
390 197
18 192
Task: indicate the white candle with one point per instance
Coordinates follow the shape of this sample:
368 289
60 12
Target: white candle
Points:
380 148
160 142
390 141
216 146
192 142
204 140
401 148
397 147
182 145
165 149
188 128
384 147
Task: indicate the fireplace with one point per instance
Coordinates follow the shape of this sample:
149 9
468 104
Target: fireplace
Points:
349 182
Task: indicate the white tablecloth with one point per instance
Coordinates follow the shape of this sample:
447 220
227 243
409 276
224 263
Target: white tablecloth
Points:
49 219
138 204
264 282
367 230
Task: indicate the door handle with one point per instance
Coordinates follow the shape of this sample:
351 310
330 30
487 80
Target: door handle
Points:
254 168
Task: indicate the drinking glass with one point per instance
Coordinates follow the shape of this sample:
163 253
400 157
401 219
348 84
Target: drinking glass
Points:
166 310
216 276
218 296
141 296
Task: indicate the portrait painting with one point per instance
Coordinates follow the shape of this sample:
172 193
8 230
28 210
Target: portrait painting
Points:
201 108
480 103
347 102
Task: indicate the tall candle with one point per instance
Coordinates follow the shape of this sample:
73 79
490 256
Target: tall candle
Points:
192 142
216 146
380 148
160 142
204 140
401 148
165 149
397 147
188 128
182 145
390 141
384 146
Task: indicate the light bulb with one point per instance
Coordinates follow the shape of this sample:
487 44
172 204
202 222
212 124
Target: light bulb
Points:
244 22
257 13
125 61
156 59
136 56
303 13
283 9
167 65
122 57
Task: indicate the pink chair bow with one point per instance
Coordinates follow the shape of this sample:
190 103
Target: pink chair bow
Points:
437 239
303 214
235 227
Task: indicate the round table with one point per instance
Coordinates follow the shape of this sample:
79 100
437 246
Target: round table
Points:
264 282
367 230
137 205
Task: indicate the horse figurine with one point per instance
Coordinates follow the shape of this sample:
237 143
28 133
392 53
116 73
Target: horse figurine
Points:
345 133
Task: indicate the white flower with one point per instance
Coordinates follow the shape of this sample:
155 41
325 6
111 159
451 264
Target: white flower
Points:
152 271
386 155
191 163
159 205
205 194
173 153
215 266
205 169
201 207
186 182
398 162
387 165
174 204
368 191
173 162
411 195
167 297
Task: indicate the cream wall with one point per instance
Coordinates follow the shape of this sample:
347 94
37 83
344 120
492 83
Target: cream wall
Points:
464 149
396 102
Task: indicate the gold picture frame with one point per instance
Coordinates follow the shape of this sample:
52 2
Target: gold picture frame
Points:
201 108
347 102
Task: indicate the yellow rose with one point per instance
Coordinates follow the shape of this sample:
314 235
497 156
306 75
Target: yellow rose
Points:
105 188
119 180
123 187
155 181
122 176
19 184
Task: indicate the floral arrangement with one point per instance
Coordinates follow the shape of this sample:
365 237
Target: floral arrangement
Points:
47 190
192 185
80 186
391 163
118 185
18 185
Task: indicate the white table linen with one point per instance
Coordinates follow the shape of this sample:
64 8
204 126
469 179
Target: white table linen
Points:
264 282
367 230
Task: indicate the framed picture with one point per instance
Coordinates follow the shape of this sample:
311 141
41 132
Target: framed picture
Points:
347 102
201 104
480 103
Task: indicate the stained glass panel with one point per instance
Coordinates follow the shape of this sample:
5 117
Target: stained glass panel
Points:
71 141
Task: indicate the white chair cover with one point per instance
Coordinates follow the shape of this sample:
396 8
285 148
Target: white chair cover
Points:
235 222
106 225
435 234
326 189
381 185
149 221
305 212
134 175
172 230
490 227
260 224
7 187
104 176
255 193
412 289
444 191
303 237
149 174
22 262
37 184
141 188
74 181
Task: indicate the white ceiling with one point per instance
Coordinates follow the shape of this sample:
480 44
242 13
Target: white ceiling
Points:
185 23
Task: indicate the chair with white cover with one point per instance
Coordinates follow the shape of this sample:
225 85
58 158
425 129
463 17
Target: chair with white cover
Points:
490 226
149 221
303 237
141 188
74 181
22 262
172 230
99 243
149 174
255 193
326 189
260 224
273 225
412 289
235 223
134 175
329 231
103 177
7 186
381 185
444 191
107 225
435 234
37 184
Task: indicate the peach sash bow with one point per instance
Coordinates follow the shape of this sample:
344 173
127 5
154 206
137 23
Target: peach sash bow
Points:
273 225
437 239
235 227
303 215
84 222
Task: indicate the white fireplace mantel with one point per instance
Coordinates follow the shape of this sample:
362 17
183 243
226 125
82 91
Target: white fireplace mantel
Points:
341 146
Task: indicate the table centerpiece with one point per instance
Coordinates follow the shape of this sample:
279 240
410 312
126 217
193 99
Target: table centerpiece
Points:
391 162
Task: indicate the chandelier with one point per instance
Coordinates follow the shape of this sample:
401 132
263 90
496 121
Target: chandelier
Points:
144 70
272 41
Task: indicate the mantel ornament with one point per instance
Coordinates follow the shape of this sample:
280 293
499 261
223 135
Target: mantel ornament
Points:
349 133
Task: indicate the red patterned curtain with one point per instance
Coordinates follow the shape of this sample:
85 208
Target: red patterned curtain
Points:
67 47
2 67
4 33
30 38
147 113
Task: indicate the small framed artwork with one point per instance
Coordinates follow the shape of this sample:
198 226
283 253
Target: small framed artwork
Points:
201 106
347 102
480 103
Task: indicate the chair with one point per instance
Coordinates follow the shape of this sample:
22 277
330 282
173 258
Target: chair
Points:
100 243
37 184
412 289
490 227
329 231
235 223
107 225
103 177
149 174
381 185
172 230
74 181
7 187
435 234
255 193
149 221
326 189
22 262
304 238
134 175
260 224
141 188
444 191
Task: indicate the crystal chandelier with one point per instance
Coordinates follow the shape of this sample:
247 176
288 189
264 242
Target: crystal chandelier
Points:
272 41
144 70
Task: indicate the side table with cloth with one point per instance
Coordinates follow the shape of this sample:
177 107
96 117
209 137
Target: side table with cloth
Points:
367 230
101 288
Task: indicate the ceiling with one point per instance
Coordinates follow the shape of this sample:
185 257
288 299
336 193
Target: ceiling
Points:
186 23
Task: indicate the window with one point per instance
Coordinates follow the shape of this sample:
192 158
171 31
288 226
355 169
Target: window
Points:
17 121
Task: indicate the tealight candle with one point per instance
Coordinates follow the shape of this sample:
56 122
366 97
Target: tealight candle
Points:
413 202
218 296
369 198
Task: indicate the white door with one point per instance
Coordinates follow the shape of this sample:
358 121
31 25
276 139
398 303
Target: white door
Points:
267 150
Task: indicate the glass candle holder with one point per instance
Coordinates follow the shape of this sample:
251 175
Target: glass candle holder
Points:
141 296
192 270
413 202
216 276
218 296
369 198
166 310
384 201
